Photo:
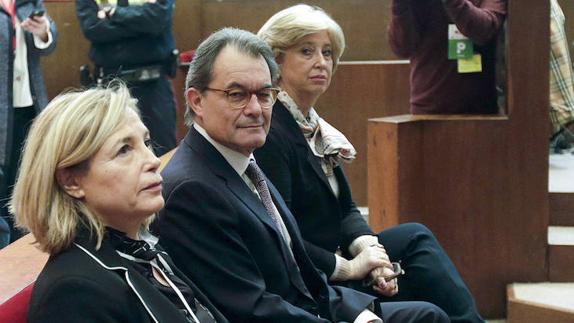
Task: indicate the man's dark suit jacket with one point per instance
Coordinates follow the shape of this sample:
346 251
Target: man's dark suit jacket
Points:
83 284
326 222
218 233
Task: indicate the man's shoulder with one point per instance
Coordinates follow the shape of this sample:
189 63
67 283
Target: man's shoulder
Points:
187 167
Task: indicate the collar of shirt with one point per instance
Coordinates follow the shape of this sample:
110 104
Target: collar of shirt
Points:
237 160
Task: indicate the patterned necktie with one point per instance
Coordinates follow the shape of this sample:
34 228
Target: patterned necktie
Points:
256 176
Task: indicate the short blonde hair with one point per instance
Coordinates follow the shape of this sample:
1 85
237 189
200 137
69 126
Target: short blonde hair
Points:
285 28
70 130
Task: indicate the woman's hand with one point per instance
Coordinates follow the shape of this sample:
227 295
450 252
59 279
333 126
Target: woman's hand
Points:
381 286
37 26
368 259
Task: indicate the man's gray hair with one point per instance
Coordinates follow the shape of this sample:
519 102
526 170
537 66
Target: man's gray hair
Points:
201 68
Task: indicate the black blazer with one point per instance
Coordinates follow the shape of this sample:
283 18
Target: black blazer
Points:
82 284
326 222
218 232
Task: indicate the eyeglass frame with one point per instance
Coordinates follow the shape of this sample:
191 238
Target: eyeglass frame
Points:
251 93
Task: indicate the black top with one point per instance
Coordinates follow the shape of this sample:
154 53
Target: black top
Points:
135 35
327 222
222 237
143 253
82 284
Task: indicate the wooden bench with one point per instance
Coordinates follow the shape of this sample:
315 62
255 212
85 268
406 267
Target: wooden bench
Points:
21 262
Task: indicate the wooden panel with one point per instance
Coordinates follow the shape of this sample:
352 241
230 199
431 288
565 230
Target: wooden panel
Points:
187 24
525 312
61 68
363 21
479 183
561 208
359 90
560 263
21 264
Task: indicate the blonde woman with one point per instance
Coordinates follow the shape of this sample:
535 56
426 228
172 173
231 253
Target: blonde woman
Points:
88 187
302 156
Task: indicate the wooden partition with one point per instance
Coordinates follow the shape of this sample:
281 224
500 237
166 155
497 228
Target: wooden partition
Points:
363 21
479 183
354 96
358 91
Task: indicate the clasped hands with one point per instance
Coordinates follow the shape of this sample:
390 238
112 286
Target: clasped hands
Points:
372 264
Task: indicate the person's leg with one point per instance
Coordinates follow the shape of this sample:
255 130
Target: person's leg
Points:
22 120
157 108
412 312
430 275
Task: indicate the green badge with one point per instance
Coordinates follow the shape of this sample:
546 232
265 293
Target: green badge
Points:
459 46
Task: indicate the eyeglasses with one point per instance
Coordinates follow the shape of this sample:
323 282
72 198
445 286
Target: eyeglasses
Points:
238 98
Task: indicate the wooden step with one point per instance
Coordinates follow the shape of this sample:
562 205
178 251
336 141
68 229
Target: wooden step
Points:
561 254
561 188
540 303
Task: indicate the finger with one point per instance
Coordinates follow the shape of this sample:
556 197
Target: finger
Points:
37 24
384 291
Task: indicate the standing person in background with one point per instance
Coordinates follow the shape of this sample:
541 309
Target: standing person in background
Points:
26 33
302 157
451 45
132 40
561 83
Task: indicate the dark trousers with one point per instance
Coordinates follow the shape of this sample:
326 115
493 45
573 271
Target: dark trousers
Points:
157 109
412 312
430 275
22 120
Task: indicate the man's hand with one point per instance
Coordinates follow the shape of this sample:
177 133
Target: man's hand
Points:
381 286
37 26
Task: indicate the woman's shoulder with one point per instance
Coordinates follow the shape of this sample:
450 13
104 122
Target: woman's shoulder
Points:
72 262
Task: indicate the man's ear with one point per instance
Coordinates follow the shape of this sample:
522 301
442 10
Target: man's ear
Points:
194 101
68 181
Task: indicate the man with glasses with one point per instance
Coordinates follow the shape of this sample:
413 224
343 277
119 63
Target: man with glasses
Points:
225 224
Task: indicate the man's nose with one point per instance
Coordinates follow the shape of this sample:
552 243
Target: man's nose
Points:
253 106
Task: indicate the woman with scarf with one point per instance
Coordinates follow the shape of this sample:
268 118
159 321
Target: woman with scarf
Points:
302 156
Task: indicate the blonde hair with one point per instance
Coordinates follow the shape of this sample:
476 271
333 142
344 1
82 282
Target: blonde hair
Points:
70 130
285 28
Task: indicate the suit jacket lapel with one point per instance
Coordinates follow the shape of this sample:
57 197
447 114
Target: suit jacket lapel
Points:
237 186
217 163
285 117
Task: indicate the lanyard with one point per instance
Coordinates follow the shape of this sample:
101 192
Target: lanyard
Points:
153 264
10 7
